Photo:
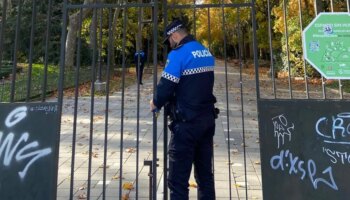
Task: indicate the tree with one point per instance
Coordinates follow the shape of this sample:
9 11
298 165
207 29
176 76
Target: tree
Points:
73 27
24 29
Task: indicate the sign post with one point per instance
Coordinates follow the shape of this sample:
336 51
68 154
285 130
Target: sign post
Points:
326 45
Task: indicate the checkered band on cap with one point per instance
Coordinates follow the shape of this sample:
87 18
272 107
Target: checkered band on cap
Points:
172 30
170 77
197 70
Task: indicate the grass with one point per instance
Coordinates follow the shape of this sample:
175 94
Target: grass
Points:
37 82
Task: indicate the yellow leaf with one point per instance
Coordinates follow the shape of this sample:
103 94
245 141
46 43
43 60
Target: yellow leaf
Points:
128 186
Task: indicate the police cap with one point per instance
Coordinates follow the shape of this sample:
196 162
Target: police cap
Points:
172 28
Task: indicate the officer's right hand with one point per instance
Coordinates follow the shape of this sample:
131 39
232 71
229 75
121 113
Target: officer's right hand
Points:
153 108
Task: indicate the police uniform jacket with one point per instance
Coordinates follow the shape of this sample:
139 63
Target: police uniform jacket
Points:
188 80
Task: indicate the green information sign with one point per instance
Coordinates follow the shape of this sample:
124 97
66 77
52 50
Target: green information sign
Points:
326 45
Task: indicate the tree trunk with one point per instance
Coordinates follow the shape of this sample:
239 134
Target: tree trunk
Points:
8 6
114 26
318 6
73 28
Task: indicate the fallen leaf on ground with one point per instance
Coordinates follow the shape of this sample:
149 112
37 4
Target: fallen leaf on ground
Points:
130 150
94 154
235 151
239 185
115 177
103 166
82 196
128 186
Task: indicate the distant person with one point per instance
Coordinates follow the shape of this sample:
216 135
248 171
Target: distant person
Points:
140 58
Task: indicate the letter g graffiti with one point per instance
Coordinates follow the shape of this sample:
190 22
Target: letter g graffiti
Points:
16 116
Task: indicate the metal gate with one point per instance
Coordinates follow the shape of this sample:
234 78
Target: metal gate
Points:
110 145
125 145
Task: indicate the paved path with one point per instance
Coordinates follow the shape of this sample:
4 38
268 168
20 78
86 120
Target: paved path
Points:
229 124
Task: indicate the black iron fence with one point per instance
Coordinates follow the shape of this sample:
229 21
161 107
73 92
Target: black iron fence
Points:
111 146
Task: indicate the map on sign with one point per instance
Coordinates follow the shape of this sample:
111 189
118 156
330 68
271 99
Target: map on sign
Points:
326 45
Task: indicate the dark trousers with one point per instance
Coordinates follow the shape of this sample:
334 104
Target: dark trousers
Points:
139 72
191 143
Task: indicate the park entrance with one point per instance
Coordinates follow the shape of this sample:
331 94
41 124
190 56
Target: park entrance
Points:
71 106
125 144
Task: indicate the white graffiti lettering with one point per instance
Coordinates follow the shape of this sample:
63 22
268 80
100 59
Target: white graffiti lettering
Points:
281 128
16 116
19 150
296 166
336 130
337 156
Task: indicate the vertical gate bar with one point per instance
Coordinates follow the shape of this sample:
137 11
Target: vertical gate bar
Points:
165 117
348 5
47 40
122 105
138 81
227 97
242 103
304 64
110 45
272 66
255 47
99 76
209 45
324 88
2 87
209 35
165 156
339 81
3 24
194 19
17 34
165 19
29 78
92 106
287 46
61 77
155 41
76 93
322 78
331 2
148 50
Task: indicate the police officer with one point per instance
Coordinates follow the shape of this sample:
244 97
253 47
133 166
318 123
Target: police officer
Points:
187 83
139 59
